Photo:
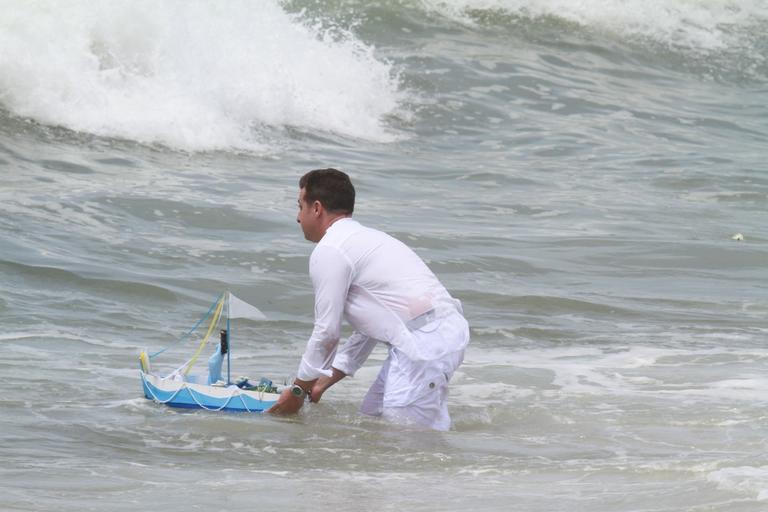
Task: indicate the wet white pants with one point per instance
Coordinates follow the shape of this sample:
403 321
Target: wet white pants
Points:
413 392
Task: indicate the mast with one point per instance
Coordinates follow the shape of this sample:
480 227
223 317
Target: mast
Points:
229 342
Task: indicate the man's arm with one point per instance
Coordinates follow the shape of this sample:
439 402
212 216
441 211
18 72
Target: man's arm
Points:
331 274
289 403
348 360
352 354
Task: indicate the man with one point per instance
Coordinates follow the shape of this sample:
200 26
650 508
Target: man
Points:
388 295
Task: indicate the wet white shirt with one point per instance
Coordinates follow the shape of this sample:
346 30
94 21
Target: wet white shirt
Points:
384 291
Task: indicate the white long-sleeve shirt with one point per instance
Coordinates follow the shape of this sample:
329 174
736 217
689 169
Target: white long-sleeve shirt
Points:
379 286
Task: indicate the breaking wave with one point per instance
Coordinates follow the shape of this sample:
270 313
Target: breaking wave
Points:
190 75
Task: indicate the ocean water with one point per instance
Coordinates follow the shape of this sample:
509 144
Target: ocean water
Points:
574 172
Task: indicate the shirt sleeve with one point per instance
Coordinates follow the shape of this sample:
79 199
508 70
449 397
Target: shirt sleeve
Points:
331 275
354 353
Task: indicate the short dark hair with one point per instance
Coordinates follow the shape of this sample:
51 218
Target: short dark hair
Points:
331 187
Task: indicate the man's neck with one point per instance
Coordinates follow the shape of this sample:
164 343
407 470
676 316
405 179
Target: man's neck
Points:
337 218
332 220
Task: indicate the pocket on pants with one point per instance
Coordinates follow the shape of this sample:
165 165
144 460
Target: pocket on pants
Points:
410 381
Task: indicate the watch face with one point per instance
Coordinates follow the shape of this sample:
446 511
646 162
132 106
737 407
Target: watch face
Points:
297 391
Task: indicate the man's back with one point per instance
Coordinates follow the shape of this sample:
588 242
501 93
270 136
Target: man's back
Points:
383 272
384 290
381 268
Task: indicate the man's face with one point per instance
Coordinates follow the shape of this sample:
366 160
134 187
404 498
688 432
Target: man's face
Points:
308 218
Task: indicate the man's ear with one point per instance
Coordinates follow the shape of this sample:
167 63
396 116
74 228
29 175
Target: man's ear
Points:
317 207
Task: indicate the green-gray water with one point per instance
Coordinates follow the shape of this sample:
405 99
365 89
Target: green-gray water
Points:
574 172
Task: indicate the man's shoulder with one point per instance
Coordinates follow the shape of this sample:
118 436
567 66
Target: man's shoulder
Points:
352 236
325 258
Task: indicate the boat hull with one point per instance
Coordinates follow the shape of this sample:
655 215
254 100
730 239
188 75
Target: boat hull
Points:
177 393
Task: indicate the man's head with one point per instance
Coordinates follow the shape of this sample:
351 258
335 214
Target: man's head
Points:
324 196
331 187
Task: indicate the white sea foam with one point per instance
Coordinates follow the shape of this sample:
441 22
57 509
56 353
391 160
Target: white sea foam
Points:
638 370
693 24
745 479
191 75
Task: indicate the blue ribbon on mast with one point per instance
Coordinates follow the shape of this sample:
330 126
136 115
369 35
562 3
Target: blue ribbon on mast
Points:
189 333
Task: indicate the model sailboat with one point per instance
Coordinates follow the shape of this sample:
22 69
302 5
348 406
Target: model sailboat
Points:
211 391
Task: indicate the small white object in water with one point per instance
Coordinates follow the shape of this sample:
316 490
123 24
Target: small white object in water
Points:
738 237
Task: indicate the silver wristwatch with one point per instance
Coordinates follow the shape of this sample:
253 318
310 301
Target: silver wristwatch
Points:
298 391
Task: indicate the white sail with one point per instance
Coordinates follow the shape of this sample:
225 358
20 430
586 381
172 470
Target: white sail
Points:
238 308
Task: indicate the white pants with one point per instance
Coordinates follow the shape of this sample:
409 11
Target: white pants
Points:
413 392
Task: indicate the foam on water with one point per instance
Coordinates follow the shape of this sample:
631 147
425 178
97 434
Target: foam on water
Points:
693 373
190 75
693 24
746 479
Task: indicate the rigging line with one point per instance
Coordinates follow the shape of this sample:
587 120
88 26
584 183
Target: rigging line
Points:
203 406
235 394
188 334
154 396
191 394
214 322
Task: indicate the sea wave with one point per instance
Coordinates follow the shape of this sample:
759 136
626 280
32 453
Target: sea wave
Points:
700 25
190 75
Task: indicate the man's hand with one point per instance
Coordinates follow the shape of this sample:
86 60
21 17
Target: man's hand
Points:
288 403
319 388
324 383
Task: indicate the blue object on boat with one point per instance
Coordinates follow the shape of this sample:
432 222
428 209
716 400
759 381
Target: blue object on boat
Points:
214 366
